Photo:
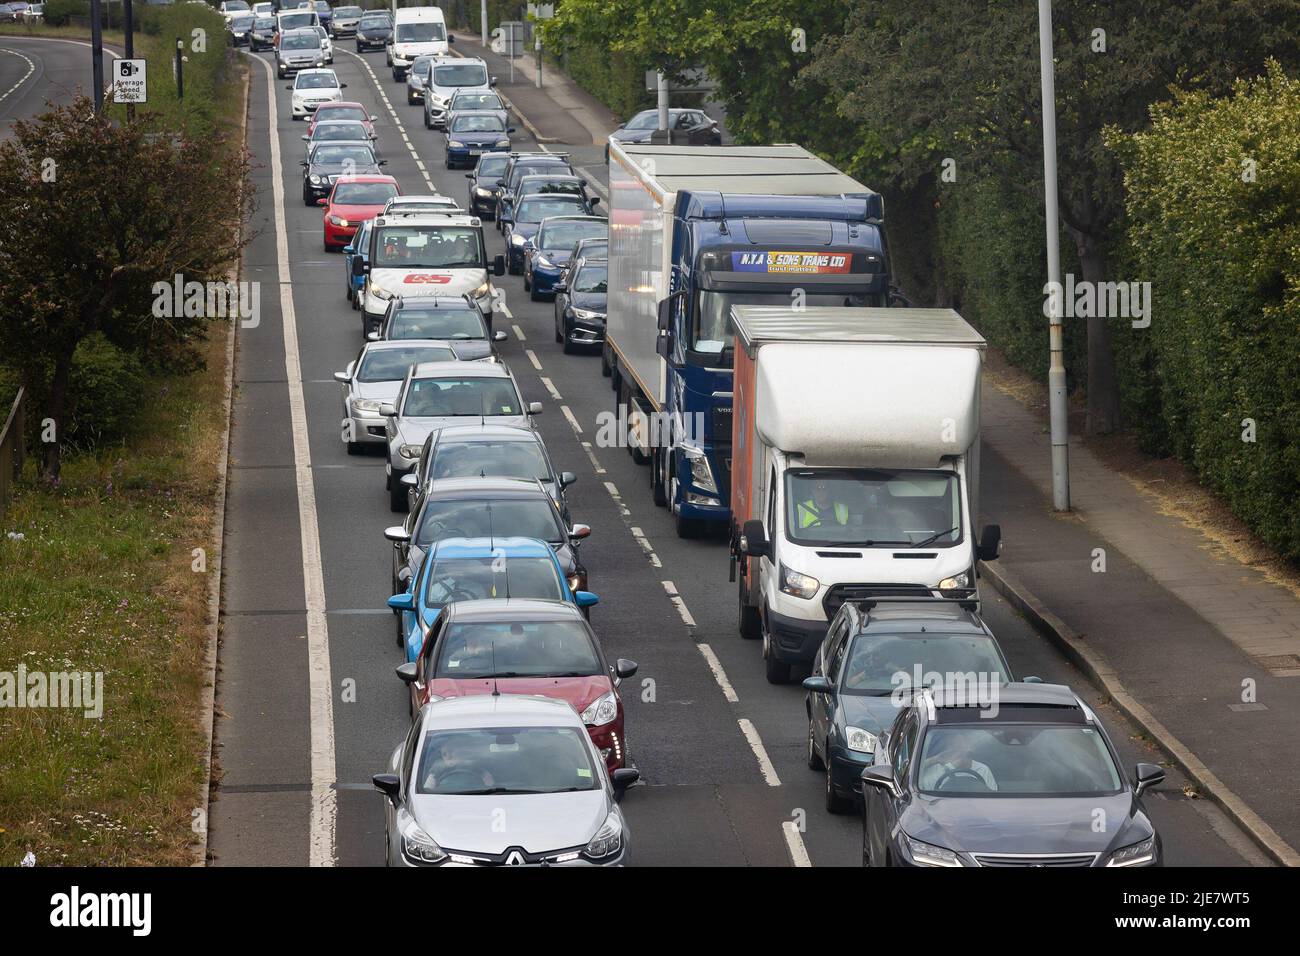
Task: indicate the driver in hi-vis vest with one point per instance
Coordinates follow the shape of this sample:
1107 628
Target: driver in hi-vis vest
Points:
819 510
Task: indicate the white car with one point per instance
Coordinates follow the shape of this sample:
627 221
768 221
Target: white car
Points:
311 88
327 43
231 7
417 31
411 205
264 9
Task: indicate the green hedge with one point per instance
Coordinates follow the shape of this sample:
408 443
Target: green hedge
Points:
1223 255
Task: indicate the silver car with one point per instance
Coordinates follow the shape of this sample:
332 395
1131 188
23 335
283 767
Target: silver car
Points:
298 50
373 378
502 780
417 75
435 394
344 20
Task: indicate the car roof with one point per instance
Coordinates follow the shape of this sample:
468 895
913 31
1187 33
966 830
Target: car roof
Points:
600 219
461 370
488 432
392 345
513 609
419 197
552 177
916 617
499 710
317 70
1015 699
492 113
508 545
457 303
366 178
450 217
479 486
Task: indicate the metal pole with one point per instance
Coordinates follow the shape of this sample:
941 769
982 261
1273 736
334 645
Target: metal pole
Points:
97 54
180 69
128 24
1056 394
537 52
663 100
483 37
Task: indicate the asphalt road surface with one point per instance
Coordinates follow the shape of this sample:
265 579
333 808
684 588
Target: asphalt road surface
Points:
34 72
308 706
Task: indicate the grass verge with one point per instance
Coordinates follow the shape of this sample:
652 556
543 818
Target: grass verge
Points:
104 580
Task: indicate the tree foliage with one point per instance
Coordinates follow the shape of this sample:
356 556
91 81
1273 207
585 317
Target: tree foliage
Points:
92 214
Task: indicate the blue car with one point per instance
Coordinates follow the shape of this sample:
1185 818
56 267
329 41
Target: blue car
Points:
474 569
358 248
549 252
526 218
471 133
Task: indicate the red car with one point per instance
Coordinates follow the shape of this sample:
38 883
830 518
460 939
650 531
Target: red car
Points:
342 111
543 648
352 201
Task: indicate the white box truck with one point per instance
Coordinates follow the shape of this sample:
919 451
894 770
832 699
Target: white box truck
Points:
855 473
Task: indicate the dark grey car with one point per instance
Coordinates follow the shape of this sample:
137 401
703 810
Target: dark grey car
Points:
1033 781
328 161
453 318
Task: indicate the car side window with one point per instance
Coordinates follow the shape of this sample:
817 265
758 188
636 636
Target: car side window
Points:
907 746
899 748
837 653
771 506
408 752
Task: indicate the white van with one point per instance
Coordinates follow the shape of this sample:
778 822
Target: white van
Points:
416 31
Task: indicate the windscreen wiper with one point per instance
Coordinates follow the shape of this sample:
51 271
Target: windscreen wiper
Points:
934 537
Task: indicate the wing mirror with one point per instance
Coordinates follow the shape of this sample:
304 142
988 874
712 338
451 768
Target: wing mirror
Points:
402 602
1147 775
499 336
499 266
585 599
388 784
342 378
624 668
409 480
753 540
387 409
990 545
567 478
534 408
579 531
881 775
408 672
818 685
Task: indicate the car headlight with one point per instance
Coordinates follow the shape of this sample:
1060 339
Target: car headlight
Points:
518 240
958 582
544 262
701 473
379 292
502 143
316 180
608 838
1138 854
410 452
601 710
418 847
589 315
799 585
365 404
925 854
481 192
338 221
859 740
455 144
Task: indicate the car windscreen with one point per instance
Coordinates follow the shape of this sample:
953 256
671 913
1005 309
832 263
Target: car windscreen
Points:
340 132
517 649
879 664
563 236
295 21
433 247
440 397
419 32
376 21
300 42
460 74
868 508
492 166
347 12
551 187
413 322
364 194
592 278
491 576
315 81
241 23
334 154
264 23
533 517
535 210
506 760
495 459
391 365
647 120
1017 759
477 124
476 101
333 113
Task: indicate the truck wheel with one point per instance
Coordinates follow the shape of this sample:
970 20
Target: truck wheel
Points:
605 369
778 672
658 477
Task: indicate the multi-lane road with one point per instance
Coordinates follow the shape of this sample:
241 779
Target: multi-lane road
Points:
308 706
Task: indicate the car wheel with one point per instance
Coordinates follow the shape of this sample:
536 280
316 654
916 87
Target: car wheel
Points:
814 761
427 124
396 496
559 336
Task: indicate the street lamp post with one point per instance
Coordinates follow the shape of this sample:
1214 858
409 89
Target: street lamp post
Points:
1056 394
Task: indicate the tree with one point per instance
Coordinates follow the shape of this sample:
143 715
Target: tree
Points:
92 214
960 78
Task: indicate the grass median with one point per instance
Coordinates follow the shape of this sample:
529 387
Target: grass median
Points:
100 573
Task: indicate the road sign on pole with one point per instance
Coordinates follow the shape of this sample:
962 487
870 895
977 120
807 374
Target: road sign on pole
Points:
129 81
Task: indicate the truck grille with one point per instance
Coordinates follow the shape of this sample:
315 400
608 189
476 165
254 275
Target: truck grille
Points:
720 425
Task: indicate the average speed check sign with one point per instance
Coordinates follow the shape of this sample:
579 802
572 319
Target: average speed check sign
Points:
129 81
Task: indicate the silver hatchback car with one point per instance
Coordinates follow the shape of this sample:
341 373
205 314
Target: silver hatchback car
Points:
502 780
373 378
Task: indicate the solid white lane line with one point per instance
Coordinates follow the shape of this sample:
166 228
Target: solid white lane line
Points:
31 68
324 806
756 744
794 843
532 357
719 674
401 129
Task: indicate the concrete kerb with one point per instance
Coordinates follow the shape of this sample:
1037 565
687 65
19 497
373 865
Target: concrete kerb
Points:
1101 673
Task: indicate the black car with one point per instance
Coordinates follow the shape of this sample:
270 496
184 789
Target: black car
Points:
482 183
240 29
873 654
328 161
374 30
262 36
523 164
471 133
479 507
580 303
690 126
1030 780
450 318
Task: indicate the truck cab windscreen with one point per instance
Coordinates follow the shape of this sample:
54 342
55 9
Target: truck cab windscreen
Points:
712 339
866 508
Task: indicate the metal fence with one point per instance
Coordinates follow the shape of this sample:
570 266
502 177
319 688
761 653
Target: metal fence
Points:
11 448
